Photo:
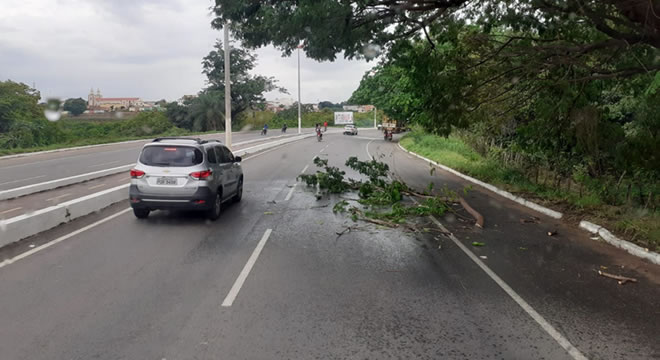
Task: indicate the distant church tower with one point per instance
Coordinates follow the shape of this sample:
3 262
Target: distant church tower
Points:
92 99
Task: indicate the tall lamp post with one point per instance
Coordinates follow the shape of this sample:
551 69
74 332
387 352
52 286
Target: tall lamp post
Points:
299 105
227 89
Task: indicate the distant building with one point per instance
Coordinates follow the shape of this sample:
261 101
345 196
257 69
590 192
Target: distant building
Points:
279 104
182 100
96 102
359 108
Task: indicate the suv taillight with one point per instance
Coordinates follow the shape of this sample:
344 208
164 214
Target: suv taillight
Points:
201 175
137 174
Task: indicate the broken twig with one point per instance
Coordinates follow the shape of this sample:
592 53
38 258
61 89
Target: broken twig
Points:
621 279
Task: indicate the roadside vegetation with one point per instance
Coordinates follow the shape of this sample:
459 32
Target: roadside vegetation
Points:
608 204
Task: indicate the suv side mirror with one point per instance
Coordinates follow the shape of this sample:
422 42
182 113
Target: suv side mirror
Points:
238 159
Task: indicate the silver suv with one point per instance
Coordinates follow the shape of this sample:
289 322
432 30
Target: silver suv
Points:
187 174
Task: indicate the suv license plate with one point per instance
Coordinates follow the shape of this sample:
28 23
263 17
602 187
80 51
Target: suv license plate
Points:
166 181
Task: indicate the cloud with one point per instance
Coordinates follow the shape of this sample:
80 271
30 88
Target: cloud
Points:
147 48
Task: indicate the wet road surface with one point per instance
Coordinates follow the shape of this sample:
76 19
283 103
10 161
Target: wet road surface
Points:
160 288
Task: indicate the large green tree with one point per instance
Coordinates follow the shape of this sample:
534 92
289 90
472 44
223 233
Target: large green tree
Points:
358 28
22 121
75 106
247 89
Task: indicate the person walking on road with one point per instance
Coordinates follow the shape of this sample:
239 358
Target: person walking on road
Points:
325 125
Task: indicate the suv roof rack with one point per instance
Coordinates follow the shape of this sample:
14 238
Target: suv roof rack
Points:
197 140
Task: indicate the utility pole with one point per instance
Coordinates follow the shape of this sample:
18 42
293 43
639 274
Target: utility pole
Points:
299 105
375 126
227 89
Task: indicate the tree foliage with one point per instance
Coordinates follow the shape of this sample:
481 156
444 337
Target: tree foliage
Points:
75 106
246 89
358 28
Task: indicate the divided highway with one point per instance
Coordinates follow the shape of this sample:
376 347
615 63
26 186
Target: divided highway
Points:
37 168
272 280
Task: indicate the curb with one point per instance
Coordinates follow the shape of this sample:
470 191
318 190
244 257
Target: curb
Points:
53 184
26 225
6 157
532 205
23 226
605 234
613 240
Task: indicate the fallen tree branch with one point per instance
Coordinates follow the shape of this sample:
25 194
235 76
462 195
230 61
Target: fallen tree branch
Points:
621 279
474 213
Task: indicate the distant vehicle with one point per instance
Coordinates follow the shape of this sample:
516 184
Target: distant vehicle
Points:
187 174
350 130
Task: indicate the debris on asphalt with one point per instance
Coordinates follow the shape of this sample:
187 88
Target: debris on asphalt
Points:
595 238
603 267
476 243
272 202
522 248
268 213
621 279
478 217
552 233
319 206
483 257
530 219
346 230
32 245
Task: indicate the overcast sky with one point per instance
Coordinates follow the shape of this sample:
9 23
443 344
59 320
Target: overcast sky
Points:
139 48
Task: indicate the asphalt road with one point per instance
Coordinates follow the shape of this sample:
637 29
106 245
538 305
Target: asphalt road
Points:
170 287
38 168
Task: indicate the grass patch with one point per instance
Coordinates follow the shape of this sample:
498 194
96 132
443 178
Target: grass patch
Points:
633 224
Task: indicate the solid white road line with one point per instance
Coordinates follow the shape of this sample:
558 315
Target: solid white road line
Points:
545 325
61 238
58 197
229 300
304 169
96 186
10 210
23 179
367 148
264 152
288 196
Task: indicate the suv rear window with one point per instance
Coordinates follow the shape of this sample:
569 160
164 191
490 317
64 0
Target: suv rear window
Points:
171 156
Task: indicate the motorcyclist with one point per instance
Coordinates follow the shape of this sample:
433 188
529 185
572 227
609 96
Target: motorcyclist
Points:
265 129
319 134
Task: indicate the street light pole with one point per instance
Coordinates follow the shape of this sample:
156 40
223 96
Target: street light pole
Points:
227 89
299 106
375 126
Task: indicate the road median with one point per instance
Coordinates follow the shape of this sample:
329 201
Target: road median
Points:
70 180
26 225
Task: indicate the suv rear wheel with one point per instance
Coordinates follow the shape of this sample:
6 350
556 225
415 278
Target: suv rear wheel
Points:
214 212
141 213
239 191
